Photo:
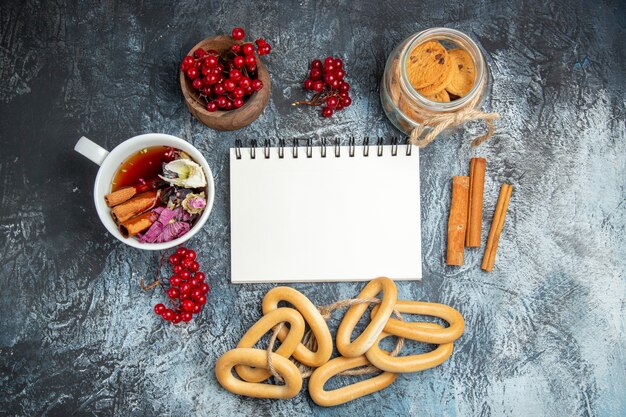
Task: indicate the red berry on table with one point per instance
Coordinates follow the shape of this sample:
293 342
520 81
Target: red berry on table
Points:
194 282
229 85
191 254
327 112
308 84
338 107
247 49
186 316
257 85
332 102
159 309
335 84
339 74
344 87
185 288
198 83
199 276
338 63
239 92
175 280
316 63
250 60
239 61
192 73
196 309
199 53
329 78
184 274
245 82
315 74
181 251
344 94
238 34
176 319
318 86
328 61
168 314
251 68
260 42
177 269
173 293
201 300
346 101
184 296
218 89
195 294
186 263
174 259
187 305
204 287
236 48
211 106
188 61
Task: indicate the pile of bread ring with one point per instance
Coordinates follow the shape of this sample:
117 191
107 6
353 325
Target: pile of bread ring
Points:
252 368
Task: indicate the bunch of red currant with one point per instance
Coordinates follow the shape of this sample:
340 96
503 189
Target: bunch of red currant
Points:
225 80
186 292
327 80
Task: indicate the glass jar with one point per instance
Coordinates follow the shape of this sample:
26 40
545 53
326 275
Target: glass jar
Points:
404 105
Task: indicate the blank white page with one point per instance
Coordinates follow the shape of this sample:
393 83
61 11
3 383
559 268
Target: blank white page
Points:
325 219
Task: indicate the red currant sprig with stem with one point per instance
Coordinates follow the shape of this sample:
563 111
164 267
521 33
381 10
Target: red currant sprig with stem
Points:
187 292
327 80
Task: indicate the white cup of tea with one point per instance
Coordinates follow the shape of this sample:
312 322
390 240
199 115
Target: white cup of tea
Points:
110 162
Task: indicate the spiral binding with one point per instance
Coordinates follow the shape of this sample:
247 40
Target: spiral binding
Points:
336 145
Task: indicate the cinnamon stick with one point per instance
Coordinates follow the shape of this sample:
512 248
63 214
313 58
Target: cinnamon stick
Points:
457 222
496 227
137 224
126 193
478 167
135 206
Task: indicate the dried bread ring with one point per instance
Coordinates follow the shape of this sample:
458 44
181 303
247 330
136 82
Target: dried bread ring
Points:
405 364
418 331
286 348
426 63
368 337
349 392
463 72
258 358
311 316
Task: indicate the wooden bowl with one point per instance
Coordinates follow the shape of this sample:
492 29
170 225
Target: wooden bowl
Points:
231 119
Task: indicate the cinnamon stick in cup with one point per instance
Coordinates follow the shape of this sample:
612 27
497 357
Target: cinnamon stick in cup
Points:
497 223
457 222
475 210
137 224
126 193
135 206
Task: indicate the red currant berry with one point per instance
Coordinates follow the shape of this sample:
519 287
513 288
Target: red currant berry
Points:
181 251
194 282
346 101
338 107
188 61
191 254
184 296
186 263
173 293
245 82
236 48
196 309
211 107
218 89
206 70
315 74
211 79
238 34
257 85
185 288
186 316
264 50
338 63
221 102
187 305
174 259
229 85
195 294
318 86
204 287
168 314
185 274
251 69
308 84
238 93
345 87
250 61
344 94
249 90
260 42
199 53
229 105
335 84
247 49
160 308
175 280
329 69
192 73
327 112
219 68
239 61
176 319
207 91
237 103
211 61
339 74
332 102
198 83
235 75
198 64
200 276
316 63
328 79
177 269
329 61
201 300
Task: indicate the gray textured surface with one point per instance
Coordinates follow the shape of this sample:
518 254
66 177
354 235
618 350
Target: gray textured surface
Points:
545 331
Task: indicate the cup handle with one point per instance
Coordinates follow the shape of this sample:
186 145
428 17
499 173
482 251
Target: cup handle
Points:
91 150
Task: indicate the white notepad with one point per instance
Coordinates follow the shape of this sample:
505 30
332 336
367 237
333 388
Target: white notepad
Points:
306 217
